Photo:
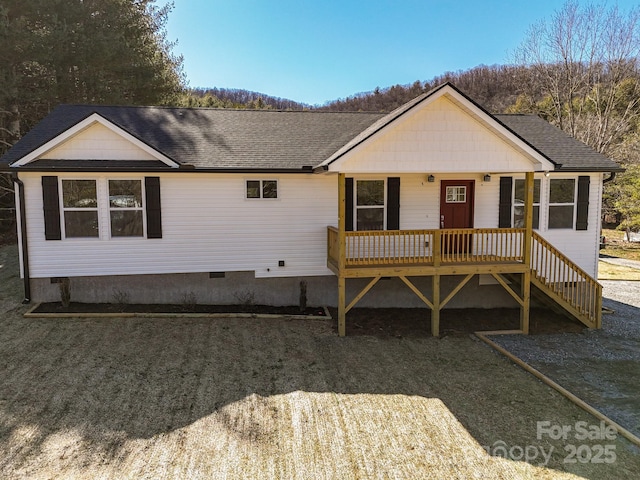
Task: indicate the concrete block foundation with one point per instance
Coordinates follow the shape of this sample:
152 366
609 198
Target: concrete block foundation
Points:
244 288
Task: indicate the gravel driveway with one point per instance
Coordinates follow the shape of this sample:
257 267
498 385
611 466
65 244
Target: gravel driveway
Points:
602 367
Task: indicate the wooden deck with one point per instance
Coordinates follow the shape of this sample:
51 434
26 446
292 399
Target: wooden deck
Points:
517 254
500 252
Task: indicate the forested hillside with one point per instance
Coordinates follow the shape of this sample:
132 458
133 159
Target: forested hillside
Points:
235 98
495 87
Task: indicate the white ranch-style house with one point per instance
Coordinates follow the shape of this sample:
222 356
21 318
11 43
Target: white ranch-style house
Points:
438 203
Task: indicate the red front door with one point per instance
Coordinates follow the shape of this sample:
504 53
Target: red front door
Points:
456 211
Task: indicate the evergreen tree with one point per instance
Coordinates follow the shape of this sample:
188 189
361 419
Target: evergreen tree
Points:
81 51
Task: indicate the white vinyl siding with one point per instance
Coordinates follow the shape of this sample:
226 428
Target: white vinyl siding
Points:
209 226
438 138
97 142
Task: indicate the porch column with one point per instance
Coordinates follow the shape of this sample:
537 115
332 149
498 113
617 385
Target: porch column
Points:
342 244
526 253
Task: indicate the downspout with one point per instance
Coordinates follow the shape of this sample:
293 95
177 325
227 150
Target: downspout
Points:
607 180
23 237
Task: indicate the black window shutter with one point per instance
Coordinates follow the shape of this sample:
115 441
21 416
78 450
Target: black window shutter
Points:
583 203
51 205
393 203
154 214
348 212
504 211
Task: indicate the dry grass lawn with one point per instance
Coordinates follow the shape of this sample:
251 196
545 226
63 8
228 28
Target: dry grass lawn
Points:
238 398
608 271
617 247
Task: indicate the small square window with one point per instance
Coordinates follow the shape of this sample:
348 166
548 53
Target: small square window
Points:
456 194
262 188
269 189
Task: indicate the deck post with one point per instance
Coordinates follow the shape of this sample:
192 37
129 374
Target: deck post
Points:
342 247
342 313
526 253
435 311
525 292
342 222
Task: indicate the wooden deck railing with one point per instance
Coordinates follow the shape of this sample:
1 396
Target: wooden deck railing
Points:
333 246
427 247
568 282
481 245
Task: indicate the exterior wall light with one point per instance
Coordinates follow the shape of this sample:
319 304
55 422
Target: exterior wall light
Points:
487 178
431 179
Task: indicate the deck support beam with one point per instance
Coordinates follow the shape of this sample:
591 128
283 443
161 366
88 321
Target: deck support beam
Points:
456 290
525 290
362 293
517 297
415 290
342 313
435 311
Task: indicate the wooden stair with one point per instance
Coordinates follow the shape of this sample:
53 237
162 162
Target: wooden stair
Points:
560 284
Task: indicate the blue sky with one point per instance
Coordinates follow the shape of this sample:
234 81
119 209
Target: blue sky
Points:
317 51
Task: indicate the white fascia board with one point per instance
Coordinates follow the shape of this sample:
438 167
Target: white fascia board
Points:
540 162
84 124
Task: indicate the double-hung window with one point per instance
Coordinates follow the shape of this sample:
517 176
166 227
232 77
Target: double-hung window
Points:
84 207
518 203
101 208
80 208
370 205
562 201
125 208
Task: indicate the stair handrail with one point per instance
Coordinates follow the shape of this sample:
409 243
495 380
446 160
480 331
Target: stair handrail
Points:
558 272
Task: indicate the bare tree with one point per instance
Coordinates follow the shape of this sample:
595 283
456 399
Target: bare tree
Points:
585 61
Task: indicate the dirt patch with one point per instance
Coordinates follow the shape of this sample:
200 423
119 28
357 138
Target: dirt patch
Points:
416 322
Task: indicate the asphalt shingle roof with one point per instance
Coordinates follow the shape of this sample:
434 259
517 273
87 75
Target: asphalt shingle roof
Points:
563 150
216 138
274 140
